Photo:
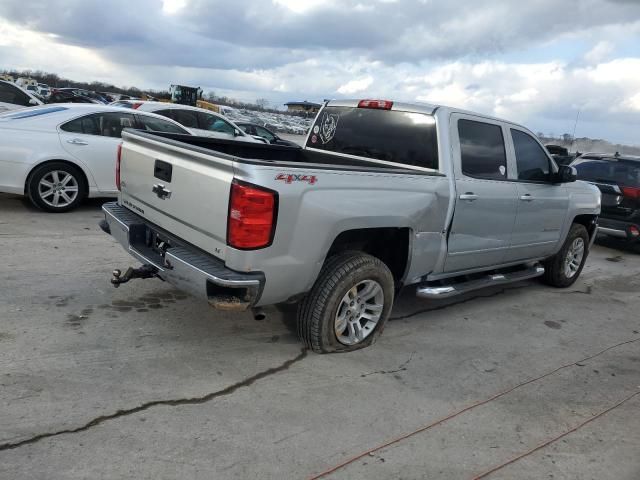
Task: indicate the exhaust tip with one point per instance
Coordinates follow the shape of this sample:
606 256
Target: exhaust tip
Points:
258 314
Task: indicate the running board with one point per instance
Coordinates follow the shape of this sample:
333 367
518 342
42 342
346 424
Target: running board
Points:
446 291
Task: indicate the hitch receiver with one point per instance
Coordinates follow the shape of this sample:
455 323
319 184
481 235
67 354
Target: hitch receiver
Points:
145 271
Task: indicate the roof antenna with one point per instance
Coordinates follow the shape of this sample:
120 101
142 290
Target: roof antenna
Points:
575 125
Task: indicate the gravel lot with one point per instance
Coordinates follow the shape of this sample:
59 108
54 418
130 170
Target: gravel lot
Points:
144 382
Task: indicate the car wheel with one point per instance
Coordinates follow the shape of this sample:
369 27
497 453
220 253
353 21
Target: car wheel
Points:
57 187
564 268
348 305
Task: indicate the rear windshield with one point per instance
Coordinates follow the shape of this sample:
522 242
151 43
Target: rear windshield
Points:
609 171
393 136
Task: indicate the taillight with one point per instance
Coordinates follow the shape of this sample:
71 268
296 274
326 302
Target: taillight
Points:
118 157
378 104
631 192
252 216
136 105
634 231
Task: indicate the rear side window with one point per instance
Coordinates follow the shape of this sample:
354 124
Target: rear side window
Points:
482 150
609 171
104 124
533 163
187 118
393 136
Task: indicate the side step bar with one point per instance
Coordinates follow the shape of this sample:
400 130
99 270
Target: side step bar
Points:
446 291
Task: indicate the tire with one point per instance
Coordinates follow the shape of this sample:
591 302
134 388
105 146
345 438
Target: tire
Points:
557 271
326 322
57 187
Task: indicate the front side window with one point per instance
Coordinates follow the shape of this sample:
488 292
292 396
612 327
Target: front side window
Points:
104 124
265 133
153 124
482 150
215 124
533 164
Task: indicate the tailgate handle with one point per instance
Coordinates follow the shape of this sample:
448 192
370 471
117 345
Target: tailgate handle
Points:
162 170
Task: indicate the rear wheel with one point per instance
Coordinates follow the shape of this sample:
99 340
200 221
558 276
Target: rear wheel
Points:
564 268
57 187
348 305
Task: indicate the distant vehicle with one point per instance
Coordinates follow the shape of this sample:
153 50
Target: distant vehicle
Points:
24 82
560 154
7 78
185 95
618 178
64 96
13 97
200 121
383 196
60 154
272 138
43 90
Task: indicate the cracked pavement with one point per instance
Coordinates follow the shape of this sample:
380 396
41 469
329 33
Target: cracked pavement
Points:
146 382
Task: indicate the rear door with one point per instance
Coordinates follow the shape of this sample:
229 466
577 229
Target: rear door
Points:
93 139
542 204
486 204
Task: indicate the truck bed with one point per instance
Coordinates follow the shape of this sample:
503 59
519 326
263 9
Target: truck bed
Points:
272 154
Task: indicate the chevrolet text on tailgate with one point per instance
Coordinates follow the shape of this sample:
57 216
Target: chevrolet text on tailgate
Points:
383 196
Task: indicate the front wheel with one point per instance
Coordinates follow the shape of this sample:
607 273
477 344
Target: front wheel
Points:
564 268
348 305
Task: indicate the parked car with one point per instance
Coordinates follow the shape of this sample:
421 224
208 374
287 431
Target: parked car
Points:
560 154
13 97
58 96
198 120
81 92
58 155
618 178
384 195
268 135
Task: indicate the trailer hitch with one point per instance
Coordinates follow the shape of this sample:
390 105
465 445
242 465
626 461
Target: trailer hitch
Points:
145 271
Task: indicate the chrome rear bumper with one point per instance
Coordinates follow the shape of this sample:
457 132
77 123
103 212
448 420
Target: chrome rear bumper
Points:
181 264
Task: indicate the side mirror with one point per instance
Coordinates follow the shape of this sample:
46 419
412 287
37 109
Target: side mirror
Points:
566 174
236 133
33 102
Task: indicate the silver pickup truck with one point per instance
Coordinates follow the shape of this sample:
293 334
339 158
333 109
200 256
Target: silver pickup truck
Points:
383 196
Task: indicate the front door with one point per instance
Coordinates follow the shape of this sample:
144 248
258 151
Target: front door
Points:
542 204
486 202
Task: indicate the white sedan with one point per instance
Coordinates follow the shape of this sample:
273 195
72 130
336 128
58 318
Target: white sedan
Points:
60 154
200 121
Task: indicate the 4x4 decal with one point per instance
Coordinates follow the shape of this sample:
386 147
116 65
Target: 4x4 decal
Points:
290 178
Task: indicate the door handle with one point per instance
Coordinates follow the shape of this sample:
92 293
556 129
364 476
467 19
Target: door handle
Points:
527 198
77 141
469 196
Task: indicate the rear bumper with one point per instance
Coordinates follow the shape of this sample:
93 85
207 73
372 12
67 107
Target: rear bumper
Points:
619 229
182 265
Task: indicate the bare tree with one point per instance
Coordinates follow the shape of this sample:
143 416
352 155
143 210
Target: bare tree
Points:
262 103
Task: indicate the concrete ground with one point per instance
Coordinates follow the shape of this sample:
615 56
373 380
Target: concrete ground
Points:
144 382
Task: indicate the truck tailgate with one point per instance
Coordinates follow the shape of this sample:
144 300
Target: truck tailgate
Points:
183 191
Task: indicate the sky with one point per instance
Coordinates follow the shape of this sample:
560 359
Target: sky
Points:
536 62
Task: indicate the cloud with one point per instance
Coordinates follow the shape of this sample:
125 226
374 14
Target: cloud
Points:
536 62
355 86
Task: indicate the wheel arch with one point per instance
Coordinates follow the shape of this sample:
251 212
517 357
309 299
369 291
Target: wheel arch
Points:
88 178
390 244
589 221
